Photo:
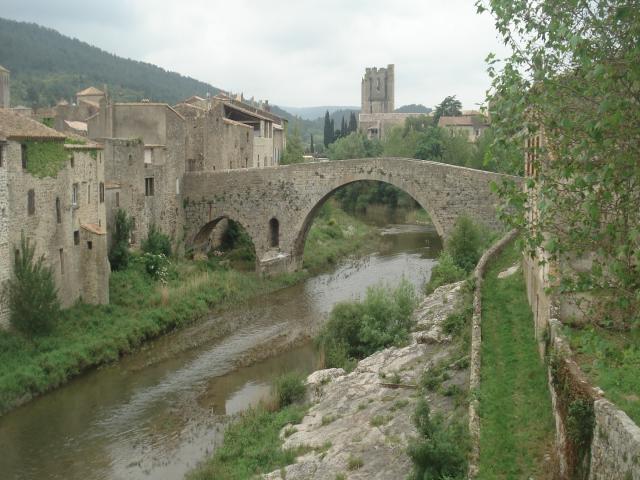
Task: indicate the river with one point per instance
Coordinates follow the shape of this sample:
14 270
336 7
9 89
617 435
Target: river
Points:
156 413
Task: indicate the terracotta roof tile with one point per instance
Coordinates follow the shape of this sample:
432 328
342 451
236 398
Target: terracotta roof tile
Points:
90 91
94 228
13 125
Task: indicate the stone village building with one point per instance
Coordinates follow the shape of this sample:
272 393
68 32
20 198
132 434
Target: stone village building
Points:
63 215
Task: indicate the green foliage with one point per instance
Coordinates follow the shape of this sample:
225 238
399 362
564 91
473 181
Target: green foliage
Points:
156 265
156 242
445 272
251 446
294 150
289 388
354 145
465 244
32 294
238 245
46 66
439 452
119 254
45 158
357 329
573 75
356 197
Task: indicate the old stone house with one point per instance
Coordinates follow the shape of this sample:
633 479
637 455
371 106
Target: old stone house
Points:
53 194
145 152
471 124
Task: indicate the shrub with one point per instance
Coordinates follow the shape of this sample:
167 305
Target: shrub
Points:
465 244
33 299
156 265
119 254
289 388
440 450
445 272
358 329
156 242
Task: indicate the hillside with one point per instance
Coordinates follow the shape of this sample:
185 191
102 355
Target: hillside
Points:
313 113
47 66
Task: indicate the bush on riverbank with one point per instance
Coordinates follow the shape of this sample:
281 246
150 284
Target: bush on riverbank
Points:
440 450
289 389
461 253
251 446
357 329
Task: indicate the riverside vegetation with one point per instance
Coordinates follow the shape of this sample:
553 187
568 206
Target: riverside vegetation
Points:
145 305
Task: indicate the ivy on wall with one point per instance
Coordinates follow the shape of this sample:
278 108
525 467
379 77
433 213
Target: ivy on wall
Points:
45 158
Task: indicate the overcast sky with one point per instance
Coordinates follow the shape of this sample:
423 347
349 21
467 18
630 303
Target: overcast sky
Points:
291 52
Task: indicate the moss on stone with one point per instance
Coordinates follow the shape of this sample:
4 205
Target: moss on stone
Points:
45 159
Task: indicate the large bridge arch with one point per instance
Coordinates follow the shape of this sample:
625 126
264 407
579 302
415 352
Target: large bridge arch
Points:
292 194
308 217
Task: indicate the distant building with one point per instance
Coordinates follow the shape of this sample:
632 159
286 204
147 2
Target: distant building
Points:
377 116
5 97
472 124
62 212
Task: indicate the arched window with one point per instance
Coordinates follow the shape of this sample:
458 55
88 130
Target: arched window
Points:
274 232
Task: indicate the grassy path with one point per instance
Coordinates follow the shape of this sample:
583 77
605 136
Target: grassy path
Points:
515 405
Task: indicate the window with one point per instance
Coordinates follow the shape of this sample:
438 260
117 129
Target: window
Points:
130 159
23 153
89 193
274 232
74 195
89 245
58 211
148 187
177 186
62 261
31 202
72 160
101 192
117 199
76 237
1 155
148 156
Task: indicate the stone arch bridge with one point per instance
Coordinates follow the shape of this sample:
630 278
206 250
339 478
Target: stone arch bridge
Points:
277 205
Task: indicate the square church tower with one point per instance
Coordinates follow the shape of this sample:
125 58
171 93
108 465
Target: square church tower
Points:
377 90
4 87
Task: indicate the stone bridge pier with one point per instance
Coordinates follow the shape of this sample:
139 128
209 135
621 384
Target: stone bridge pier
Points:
277 205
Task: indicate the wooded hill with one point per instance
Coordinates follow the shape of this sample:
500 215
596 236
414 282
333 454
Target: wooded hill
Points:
47 66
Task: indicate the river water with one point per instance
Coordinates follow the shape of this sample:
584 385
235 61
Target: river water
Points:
156 413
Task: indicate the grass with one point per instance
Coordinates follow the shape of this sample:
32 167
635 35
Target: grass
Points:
252 446
88 335
611 360
515 406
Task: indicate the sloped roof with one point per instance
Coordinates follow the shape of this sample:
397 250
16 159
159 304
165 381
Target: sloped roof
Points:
14 125
90 91
80 126
93 228
462 121
2 69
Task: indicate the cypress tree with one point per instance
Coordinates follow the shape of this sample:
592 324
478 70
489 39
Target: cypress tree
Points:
328 130
353 123
311 148
332 131
343 128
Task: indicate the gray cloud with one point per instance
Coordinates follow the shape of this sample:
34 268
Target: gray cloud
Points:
293 52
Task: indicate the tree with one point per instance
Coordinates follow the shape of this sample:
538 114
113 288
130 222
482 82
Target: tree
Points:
465 244
328 130
311 147
354 145
353 123
156 242
343 128
574 73
449 107
33 297
294 150
119 254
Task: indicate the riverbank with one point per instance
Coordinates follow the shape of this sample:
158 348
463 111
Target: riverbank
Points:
360 424
87 336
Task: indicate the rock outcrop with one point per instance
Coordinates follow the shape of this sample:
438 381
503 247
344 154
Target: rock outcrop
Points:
360 423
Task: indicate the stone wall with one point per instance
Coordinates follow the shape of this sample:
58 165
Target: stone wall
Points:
614 451
293 194
5 246
377 90
69 235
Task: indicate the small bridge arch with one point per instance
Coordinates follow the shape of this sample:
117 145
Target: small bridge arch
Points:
292 195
